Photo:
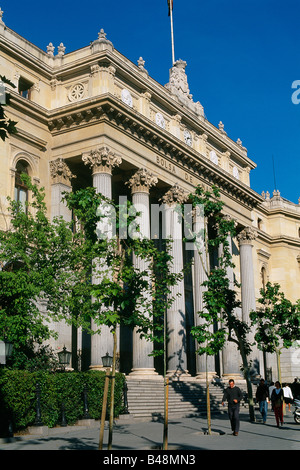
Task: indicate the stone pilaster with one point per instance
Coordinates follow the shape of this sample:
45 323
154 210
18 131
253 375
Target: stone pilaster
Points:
61 177
140 183
101 161
176 320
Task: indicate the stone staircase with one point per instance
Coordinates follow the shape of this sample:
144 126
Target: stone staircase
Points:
145 398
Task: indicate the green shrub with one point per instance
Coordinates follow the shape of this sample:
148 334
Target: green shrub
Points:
18 396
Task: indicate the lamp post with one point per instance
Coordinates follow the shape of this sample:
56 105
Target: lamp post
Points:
64 357
5 351
107 362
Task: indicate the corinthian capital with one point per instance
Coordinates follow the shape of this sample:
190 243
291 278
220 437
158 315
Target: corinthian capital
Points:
246 236
60 172
175 195
101 160
142 181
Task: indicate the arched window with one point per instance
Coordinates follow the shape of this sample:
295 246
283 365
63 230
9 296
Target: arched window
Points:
21 190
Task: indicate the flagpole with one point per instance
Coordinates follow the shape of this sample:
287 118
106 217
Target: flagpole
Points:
172 34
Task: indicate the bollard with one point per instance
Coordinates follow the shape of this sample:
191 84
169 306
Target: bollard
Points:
125 412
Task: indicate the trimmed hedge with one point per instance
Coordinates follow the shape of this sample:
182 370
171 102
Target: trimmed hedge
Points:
18 396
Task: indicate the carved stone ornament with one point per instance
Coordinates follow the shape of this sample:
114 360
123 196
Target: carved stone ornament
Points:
50 50
101 160
246 236
76 92
142 181
175 195
60 172
178 86
61 50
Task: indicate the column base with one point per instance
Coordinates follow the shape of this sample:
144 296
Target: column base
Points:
201 376
144 373
97 367
178 374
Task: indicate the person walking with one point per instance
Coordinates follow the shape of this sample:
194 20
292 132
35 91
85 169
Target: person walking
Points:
277 403
233 396
262 396
287 395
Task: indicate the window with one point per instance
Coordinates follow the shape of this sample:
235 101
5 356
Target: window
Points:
25 88
21 190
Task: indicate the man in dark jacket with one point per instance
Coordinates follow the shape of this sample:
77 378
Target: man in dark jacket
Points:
233 395
262 396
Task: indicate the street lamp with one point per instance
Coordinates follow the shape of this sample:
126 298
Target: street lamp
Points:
107 360
5 351
64 356
107 363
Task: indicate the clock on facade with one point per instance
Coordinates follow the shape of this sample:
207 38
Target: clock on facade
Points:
188 137
126 97
160 121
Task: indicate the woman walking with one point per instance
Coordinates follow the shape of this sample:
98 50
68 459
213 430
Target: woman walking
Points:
277 403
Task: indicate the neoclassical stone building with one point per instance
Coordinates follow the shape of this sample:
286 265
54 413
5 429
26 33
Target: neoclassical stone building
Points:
92 117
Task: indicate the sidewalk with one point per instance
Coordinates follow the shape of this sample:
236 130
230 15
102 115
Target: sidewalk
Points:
184 434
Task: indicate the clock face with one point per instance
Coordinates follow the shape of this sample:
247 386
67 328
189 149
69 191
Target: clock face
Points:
188 138
213 157
235 172
126 97
159 119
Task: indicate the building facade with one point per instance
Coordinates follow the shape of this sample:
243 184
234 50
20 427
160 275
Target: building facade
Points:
91 117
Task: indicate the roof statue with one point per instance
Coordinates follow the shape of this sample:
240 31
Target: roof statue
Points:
178 86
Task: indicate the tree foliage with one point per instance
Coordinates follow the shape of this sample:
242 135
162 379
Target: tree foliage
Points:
7 126
34 260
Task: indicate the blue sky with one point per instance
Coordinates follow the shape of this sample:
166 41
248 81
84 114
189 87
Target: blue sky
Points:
242 59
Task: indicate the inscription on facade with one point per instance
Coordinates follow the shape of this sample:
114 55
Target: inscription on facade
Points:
165 164
173 169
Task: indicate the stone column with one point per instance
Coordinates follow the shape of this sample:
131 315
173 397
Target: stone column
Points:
245 239
230 356
102 161
201 263
142 180
61 177
176 321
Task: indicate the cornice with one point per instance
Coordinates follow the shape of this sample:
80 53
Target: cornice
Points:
129 121
279 240
130 73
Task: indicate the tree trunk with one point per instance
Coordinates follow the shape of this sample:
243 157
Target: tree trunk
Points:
112 393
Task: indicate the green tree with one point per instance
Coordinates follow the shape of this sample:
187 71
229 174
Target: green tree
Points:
219 298
7 126
34 260
277 322
106 285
